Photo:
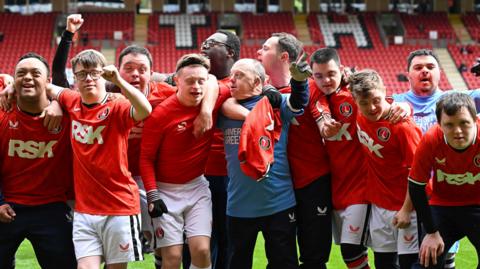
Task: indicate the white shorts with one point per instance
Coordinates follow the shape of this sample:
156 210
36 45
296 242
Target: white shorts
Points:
115 238
189 211
146 220
386 238
350 226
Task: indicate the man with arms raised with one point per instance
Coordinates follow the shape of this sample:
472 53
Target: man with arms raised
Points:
106 226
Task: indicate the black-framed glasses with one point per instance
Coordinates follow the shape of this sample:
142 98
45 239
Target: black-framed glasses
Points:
94 74
212 43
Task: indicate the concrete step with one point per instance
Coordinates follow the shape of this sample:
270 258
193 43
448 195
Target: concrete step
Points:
141 29
450 69
460 29
301 27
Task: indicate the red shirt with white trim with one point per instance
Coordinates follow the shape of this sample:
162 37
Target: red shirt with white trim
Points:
217 164
306 153
260 131
35 164
170 153
456 175
103 184
390 149
157 93
345 153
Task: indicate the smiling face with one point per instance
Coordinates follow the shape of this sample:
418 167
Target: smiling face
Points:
459 129
373 106
424 75
31 78
135 69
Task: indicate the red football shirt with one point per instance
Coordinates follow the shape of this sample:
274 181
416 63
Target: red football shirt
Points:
345 153
260 131
456 177
103 184
36 164
170 153
389 149
157 93
216 163
2 83
306 153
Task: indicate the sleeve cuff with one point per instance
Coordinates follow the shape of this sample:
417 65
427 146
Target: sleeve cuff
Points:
295 83
67 35
417 182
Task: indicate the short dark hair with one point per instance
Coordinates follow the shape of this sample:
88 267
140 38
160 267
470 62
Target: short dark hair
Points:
36 56
452 102
192 59
323 56
290 44
364 81
135 49
420 52
233 42
88 59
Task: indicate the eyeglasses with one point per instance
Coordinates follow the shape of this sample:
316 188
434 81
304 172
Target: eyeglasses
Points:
212 43
94 74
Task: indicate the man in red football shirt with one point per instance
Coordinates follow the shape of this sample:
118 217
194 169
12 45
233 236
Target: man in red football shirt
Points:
105 226
346 159
449 149
306 155
35 173
173 160
389 150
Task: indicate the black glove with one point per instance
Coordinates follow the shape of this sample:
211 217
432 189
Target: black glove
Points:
156 206
274 96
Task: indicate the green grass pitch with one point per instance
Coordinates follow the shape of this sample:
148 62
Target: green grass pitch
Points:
466 257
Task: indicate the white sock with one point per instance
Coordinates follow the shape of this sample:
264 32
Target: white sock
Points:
195 267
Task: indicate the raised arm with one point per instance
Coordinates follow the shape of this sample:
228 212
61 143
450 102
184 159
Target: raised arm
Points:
59 65
300 72
141 107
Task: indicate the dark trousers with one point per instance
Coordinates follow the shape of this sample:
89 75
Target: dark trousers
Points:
454 223
314 215
49 229
279 233
218 241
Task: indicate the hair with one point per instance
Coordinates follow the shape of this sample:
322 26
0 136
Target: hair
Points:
192 59
134 49
451 103
233 42
364 81
88 59
36 56
420 52
290 44
255 67
323 56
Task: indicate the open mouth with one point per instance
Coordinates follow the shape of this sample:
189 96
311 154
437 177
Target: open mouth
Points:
135 84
